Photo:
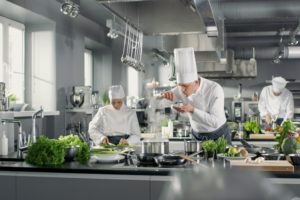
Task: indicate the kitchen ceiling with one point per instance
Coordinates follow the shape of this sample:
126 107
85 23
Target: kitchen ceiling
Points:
247 23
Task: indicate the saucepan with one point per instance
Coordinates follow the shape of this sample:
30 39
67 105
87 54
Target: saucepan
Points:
169 160
147 158
191 146
158 147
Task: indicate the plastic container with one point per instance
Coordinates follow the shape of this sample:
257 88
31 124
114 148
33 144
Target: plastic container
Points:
4 145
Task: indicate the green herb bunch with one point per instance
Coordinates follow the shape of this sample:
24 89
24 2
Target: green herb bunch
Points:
46 152
252 126
221 144
209 145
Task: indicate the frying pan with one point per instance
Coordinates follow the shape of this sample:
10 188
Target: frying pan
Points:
256 149
169 160
147 158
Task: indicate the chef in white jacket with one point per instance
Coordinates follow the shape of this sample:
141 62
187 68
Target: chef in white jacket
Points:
203 99
115 123
276 103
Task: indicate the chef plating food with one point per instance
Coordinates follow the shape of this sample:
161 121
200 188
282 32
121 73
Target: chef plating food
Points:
115 123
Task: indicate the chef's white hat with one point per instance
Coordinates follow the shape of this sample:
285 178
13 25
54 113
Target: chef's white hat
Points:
278 83
185 63
116 92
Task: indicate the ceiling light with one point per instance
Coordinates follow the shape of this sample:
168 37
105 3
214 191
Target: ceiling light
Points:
70 8
115 29
293 41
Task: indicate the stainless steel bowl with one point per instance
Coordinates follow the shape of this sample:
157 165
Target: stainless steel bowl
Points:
77 99
161 147
71 152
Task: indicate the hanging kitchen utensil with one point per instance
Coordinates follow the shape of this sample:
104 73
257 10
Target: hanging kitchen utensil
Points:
132 49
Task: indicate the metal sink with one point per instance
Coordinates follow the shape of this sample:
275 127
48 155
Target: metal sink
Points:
7 163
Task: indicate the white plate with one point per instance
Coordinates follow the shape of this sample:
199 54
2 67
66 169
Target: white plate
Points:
107 158
222 155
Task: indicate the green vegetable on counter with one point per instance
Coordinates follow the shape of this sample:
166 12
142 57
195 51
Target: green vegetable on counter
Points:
252 126
288 125
221 144
46 152
232 152
209 145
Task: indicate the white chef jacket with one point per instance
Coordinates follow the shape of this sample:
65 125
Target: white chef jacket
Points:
208 102
281 106
111 122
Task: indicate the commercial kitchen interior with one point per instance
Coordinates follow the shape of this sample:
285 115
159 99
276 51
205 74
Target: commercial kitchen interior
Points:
239 44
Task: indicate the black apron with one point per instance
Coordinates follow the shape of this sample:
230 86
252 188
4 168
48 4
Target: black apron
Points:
223 130
116 139
279 121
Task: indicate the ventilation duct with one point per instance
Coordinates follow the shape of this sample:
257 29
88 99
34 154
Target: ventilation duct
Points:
208 14
292 52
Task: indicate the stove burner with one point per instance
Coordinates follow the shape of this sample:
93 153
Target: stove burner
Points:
147 164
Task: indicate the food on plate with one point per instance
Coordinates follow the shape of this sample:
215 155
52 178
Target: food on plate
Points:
256 161
233 152
108 146
269 129
243 152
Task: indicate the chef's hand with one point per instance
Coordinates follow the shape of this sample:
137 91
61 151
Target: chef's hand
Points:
185 108
169 95
123 141
269 119
104 140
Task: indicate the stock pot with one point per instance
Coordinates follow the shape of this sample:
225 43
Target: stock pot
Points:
158 147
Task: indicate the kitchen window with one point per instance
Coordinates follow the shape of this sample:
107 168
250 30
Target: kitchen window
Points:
43 73
12 57
88 67
132 82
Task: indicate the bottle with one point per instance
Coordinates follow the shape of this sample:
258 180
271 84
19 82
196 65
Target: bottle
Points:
4 145
170 127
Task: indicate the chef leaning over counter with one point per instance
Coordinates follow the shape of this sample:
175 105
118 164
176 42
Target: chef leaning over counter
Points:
203 99
115 123
276 102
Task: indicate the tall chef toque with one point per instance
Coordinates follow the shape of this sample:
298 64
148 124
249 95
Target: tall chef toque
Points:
278 84
185 63
116 92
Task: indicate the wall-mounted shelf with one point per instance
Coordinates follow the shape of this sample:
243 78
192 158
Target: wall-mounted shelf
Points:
87 111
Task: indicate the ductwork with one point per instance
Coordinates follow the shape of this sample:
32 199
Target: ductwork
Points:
289 52
205 10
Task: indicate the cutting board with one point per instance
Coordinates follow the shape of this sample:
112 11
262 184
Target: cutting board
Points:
262 136
267 165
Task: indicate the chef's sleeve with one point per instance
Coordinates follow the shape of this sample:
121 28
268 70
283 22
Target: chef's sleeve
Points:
262 103
290 107
135 133
215 112
96 127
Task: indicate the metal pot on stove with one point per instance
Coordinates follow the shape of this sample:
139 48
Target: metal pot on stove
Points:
191 146
158 147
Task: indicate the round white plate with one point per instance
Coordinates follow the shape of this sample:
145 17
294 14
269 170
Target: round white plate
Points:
222 155
107 158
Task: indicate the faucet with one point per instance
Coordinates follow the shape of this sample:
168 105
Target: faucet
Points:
34 116
22 142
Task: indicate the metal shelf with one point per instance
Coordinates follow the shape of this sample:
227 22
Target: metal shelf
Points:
90 111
